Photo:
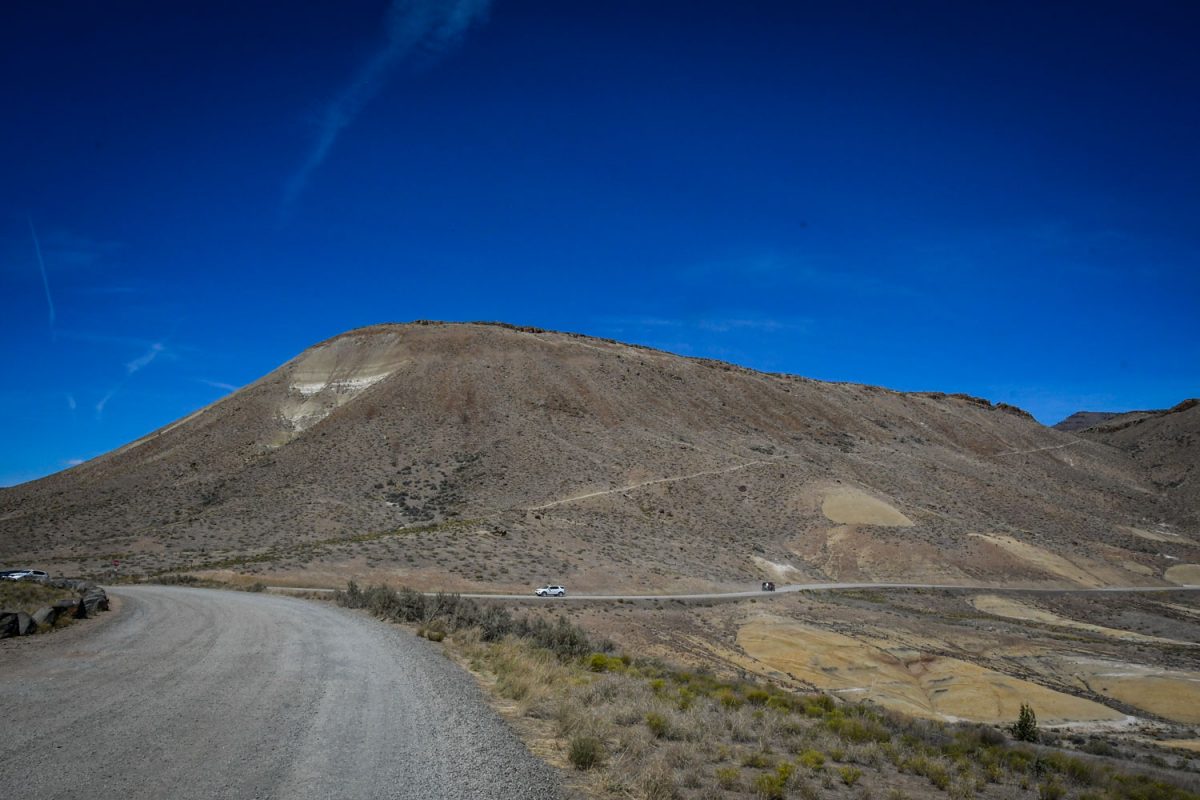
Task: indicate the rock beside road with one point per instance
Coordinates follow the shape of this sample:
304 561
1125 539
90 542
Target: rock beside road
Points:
91 601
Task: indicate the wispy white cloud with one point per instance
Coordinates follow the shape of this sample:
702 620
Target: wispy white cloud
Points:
766 325
154 350
228 387
100 406
74 462
715 323
145 359
71 404
105 338
774 271
37 248
417 30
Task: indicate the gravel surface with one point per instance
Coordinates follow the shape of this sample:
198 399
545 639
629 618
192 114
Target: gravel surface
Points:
197 693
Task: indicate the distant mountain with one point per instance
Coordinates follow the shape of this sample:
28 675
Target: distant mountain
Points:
1084 419
1166 445
489 456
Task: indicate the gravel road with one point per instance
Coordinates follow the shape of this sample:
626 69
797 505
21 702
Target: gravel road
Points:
197 693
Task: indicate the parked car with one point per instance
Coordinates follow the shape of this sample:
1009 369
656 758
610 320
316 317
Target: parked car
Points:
24 575
551 591
768 586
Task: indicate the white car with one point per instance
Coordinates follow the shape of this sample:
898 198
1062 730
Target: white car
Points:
25 575
551 591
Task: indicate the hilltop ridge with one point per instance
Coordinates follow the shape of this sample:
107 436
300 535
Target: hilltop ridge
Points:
473 455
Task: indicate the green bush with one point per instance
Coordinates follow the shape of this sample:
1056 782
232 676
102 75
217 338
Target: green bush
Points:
450 612
850 775
756 760
1025 729
586 752
857 730
770 786
812 759
1051 790
1142 787
729 698
658 725
1080 772
729 778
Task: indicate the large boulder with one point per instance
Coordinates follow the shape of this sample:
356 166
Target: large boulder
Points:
25 624
94 601
45 616
72 606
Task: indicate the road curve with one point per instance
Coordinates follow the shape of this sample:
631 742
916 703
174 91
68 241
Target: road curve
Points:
198 693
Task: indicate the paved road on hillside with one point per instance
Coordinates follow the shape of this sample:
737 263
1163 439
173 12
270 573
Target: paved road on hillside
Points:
817 587
800 587
196 693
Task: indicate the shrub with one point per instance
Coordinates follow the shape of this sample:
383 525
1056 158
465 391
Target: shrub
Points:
1051 790
1101 747
658 725
770 786
1080 771
729 698
729 778
659 784
1019 760
1025 729
813 759
939 776
586 752
757 697
434 635
757 760
858 731
850 775
451 613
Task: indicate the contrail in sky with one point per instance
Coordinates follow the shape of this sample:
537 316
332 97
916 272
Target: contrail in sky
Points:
37 246
420 29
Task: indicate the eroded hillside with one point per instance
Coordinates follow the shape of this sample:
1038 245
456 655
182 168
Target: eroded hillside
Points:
484 456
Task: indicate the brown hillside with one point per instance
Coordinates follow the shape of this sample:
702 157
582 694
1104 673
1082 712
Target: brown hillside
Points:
1166 444
1084 419
473 455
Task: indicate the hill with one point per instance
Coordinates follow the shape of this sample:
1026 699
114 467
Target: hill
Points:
1084 419
488 456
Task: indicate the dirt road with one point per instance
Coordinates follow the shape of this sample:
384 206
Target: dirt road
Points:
196 693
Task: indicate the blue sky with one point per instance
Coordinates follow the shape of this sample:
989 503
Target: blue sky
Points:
999 199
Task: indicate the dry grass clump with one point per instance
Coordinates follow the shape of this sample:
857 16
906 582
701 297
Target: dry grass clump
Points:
29 596
644 730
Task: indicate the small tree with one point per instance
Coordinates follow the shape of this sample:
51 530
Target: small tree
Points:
1026 728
